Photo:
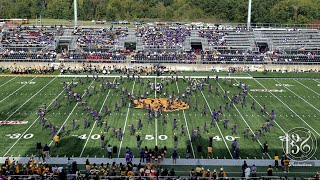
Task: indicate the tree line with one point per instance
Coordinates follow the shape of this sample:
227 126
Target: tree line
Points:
263 11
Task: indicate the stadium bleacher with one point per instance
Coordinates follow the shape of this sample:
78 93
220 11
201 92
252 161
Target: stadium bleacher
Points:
94 38
164 57
29 36
108 56
160 44
163 37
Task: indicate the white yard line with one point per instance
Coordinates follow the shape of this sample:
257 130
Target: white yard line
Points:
308 87
316 80
16 90
125 123
156 121
267 112
298 96
29 100
31 125
243 119
289 108
8 81
70 113
185 120
95 122
217 126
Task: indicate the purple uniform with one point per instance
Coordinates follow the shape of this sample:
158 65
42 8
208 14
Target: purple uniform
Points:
226 123
73 124
127 157
99 121
43 122
227 107
273 114
198 131
193 133
53 131
182 130
234 144
213 120
174 123
132 129
120 134
140 124
234 129
85 123
205 128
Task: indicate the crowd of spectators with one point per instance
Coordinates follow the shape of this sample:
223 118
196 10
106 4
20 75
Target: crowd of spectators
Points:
28 55
107 56
215 37
31 168
169 57
99 38
163 37
13 169
29 70
209 57
30 36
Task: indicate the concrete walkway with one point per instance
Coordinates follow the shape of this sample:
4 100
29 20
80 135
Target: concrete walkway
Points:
180 162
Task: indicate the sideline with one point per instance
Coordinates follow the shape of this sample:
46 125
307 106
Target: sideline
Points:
167 161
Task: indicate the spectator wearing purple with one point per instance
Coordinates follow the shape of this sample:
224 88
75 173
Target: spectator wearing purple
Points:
174 157
236 153
142 155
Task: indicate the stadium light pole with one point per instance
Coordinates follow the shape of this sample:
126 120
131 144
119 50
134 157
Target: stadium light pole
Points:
75 13
249 14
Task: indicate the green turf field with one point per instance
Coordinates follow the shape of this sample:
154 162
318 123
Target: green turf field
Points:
297 105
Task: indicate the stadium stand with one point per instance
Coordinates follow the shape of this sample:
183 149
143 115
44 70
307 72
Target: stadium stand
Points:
108 56
27 36
161 44
103 38
164 57
163 37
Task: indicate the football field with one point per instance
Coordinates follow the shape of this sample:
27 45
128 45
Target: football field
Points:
296 103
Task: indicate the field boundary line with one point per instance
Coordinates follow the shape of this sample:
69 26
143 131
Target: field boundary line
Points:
70 113
316 80
95 122
185 120
217 126
8 81
17 90
31 125
243 118
125 123
299 96
288 108
29 75
29 100
307 87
